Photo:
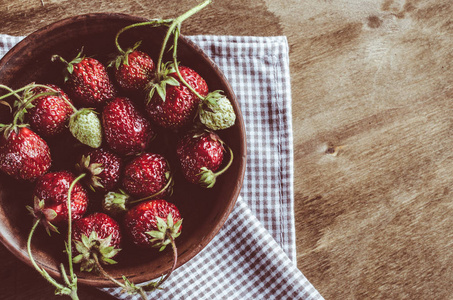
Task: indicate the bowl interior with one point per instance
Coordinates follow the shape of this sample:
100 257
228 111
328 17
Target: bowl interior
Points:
204 210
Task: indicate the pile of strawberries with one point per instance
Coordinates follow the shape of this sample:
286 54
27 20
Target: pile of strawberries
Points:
113 114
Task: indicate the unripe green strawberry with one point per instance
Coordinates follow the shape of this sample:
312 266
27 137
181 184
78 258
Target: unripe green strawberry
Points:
216 112
86 127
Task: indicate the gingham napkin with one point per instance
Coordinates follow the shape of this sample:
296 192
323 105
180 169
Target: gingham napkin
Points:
254 254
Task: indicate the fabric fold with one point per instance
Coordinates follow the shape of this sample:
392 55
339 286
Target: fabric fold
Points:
242 262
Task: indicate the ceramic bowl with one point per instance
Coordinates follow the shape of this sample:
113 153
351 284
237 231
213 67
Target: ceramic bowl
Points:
204 210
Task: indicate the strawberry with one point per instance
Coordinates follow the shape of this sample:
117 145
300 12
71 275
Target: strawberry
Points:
58 197
86 127
87 81
51 199
174 105
126 131
146 175
96 239
154 223
200 155
216 111
23 154
134 69
102 167
48 114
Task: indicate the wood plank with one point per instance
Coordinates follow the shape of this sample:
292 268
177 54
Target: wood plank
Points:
372 100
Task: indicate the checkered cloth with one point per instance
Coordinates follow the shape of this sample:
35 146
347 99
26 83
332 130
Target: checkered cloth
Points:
254 254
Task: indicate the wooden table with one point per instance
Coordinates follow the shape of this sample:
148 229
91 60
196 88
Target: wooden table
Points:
373 135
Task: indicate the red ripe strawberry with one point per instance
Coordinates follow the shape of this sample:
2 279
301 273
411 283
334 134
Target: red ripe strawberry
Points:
87 81
102 167
126 131
48 114
134 70
146 175
51 198
200 155
95 235
174 105
23 154
153 223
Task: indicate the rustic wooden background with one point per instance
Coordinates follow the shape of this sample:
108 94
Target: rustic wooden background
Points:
372 102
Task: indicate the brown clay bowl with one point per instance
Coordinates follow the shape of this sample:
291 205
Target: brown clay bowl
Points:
204 210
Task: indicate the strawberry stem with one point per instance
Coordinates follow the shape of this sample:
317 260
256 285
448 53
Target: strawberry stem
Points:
229 163
104 273
129 288
175 62
28 86
11 92
208 177
175 261
154 23
56 57
69 290
169 182
69 244
176 22
155 285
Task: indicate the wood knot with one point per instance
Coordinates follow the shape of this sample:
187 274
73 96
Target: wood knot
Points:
334 150
374 22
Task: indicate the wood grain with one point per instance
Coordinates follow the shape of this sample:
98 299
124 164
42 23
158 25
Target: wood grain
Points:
372 101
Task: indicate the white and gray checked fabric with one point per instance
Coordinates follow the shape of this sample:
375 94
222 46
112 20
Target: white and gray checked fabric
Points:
258 70
254 254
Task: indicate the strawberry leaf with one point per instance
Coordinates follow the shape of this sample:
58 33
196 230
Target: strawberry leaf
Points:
161 90
172 81
161 225
3 102
207 178
109 261
70 69
77 259
156 234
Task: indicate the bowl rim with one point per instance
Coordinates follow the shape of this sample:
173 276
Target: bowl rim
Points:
22 254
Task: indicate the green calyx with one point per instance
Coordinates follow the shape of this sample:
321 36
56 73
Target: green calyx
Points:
115 203
8 128
208 177
166 231
216 111
159 84
69 65
92 245
86 127
43 214
93 170
123 58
